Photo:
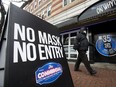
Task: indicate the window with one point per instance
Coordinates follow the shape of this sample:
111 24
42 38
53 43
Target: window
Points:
73 36
68 42
31 8
49 10
39 15
35 4
44 0
65 2
43 14
72 0
39 1
66 39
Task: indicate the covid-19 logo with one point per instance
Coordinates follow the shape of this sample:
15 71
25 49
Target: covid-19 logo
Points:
106 45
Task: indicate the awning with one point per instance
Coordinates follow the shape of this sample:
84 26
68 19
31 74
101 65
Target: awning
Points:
102 11
99 12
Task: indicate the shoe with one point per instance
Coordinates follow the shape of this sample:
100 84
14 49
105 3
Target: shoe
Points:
77 70
93 72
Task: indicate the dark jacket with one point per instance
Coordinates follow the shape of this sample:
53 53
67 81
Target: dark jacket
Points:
83 41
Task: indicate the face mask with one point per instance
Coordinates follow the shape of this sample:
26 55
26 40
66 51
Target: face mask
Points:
84 31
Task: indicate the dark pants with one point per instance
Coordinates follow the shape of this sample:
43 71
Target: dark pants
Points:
82 57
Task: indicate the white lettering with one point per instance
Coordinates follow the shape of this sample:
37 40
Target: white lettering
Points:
48 46
49 52
101 8
30 35
54 40
41 52
50 39
58 51
42 38
31 51
19 31
58 41
49 72
19 50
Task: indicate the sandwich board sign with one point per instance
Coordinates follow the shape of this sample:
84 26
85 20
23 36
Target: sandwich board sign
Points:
34 53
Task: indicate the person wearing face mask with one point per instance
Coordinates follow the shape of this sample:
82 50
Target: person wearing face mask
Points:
83 42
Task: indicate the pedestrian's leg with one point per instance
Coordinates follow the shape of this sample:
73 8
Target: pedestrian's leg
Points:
77 64
85 61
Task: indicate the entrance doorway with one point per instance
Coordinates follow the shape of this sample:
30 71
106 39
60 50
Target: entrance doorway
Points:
68 42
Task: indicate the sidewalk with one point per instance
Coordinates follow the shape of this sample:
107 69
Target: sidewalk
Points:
105 77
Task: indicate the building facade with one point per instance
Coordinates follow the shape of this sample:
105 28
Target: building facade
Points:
69 15
58 12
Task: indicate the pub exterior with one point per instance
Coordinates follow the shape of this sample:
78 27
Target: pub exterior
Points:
99 19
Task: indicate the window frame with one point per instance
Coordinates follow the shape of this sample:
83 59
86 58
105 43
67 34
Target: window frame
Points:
49 10
67 2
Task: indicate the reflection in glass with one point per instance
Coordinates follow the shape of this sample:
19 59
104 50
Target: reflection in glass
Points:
66 55
72 41
65 39
71 49
73 56
66 49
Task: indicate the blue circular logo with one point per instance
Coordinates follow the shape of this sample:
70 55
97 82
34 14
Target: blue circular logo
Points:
106 45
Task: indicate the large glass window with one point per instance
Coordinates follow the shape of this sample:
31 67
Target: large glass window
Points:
73 36
68 42
73 55
65 39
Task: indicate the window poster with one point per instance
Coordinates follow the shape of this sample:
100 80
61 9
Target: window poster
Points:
106 44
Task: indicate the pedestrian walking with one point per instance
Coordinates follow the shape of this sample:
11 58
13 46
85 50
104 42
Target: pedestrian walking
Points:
82 44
